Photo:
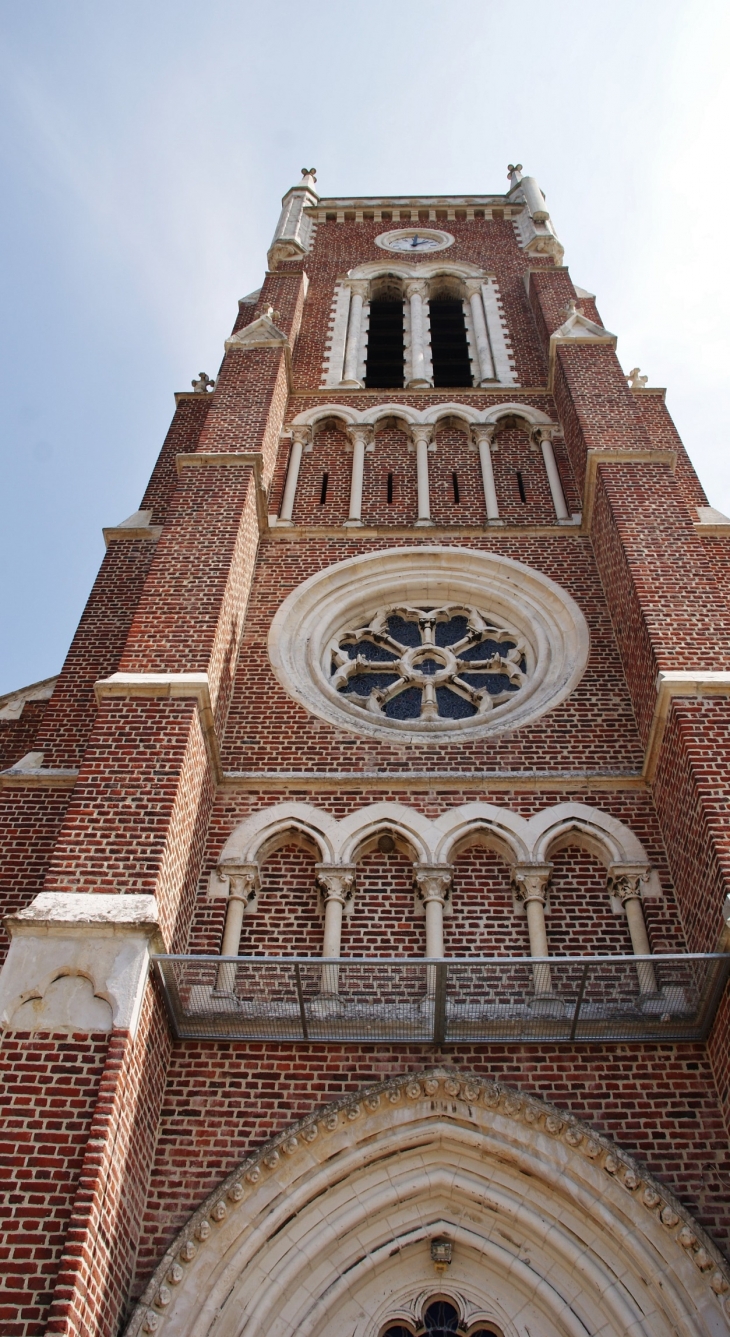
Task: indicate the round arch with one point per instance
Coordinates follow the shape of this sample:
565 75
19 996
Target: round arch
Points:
328 1227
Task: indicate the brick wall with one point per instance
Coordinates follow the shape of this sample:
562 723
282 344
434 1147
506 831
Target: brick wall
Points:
223 1101
48 1095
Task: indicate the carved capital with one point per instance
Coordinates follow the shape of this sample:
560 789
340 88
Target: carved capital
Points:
336 881
530 881
433 882
484 431
625 880
416 288
422 432
359 288
244 881
360 431
302 435
473 287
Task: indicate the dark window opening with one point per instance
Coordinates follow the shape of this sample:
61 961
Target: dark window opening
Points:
385 346
449 349
323 493
521 488
390 489
455 484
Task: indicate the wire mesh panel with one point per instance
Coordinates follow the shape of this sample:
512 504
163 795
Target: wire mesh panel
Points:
498 1000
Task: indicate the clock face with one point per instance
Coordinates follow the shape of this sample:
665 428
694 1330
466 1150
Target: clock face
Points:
415 241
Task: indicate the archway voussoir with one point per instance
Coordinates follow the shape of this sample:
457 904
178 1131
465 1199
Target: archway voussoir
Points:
310 1223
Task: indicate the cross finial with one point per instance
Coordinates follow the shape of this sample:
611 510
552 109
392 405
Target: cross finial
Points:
310 171
514 172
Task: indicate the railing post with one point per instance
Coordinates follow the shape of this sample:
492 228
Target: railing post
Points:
439 1004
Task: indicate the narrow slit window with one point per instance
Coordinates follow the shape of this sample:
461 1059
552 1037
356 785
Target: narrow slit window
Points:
323 493
521 488
384 369
449 347
455 485
390 489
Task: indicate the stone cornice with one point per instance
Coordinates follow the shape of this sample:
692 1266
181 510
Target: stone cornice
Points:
170 687
686 683
220 459
617 456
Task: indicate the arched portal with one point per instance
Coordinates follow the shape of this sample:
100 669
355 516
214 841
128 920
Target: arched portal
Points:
331 1228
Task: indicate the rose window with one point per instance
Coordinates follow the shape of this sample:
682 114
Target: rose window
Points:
421 664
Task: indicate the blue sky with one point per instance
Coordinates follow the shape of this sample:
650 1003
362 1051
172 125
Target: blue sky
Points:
145 148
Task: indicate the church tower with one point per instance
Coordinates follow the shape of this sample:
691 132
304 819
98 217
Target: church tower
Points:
365 867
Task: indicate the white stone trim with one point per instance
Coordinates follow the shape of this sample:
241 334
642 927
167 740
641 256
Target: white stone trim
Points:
434 842
78 962
442 239
498 331
169 686
680 682
12 703
327 1228
337 335
433 414
547 619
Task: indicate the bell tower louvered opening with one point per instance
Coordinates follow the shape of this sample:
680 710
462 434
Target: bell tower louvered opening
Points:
384 368
449 348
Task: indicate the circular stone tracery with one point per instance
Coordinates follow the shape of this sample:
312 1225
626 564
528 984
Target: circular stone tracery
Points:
428 641
419 664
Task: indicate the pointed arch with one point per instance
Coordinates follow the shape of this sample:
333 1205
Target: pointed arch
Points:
246 843
327 1228
503 830
408 825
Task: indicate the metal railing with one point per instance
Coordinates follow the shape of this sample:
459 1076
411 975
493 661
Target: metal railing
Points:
460 1000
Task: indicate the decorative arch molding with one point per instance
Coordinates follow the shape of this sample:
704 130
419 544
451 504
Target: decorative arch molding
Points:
327 1227
423 270
436 842
431 415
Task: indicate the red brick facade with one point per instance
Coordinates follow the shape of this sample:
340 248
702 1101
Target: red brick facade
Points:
111 1140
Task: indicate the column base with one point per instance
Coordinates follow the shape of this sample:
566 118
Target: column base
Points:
353 524
350 385
419 385
424 524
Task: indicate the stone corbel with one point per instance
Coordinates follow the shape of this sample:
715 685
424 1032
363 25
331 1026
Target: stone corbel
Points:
78 962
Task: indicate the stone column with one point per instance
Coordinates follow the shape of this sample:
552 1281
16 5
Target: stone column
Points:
359 436
299 439
416 291
422 437
531 882
483 436
244 882
544 436
624 881
485 364
337 884
433 888
359 291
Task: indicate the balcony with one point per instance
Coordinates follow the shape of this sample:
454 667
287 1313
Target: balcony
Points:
461 1000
